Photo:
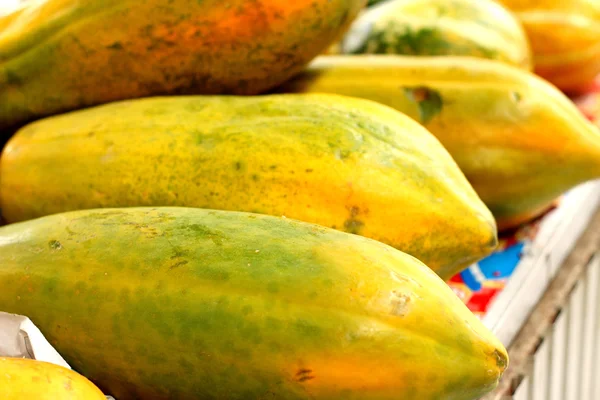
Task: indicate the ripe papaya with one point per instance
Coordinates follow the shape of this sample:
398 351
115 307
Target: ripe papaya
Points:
60 55
22 379
182 303
519 140
345 163
478 28
565 39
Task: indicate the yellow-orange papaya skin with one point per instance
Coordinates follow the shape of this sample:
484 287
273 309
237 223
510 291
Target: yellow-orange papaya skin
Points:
59 55
24 379
477 28
341 162
519 140
565 39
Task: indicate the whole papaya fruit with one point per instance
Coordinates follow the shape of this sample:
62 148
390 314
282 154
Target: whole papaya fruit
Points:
341 162
519 140
181 303
478 28
60 55
565 39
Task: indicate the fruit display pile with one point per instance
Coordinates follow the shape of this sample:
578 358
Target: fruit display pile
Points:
268 199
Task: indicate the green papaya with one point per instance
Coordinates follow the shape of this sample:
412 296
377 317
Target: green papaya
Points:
181 303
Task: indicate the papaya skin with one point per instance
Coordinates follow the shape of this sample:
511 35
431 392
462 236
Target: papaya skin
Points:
22 378
476 28
61 55
519 141
340 162
565 39
181 303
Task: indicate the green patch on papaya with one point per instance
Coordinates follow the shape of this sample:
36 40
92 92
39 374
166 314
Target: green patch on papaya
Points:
398 39
429 101
12 78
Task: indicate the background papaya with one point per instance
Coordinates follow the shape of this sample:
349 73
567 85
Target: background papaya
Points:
228 305
565 38
478 28
519 140
59 55
341 162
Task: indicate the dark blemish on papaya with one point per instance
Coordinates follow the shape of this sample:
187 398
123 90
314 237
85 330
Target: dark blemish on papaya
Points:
91 134
353 224
516 96
272 167
303 371
115 46
501 360
12 78
304 375
177 265
309 170
428 101
55 245
147 30
254 177
341 154
238 166
179 253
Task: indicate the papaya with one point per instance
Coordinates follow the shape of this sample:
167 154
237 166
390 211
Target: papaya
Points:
519 141
565 39
22 379
345 163
185 303
477 28
61 55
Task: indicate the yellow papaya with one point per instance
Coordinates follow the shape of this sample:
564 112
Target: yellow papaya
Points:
565 39
477 28
60 55
345 163
24 379
185 303
519 140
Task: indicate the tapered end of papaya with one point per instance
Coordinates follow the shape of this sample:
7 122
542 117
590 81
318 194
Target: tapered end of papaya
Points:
22 378
490 361
480 231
